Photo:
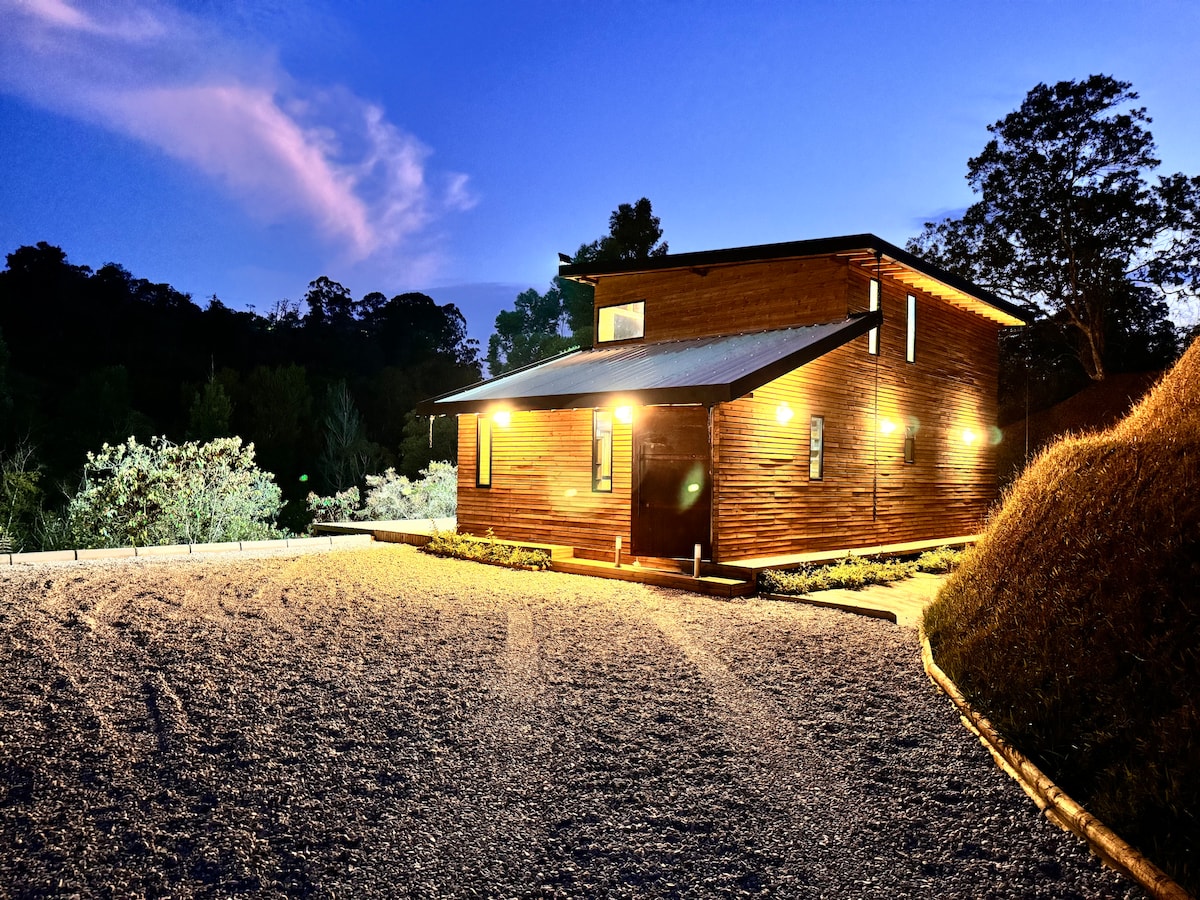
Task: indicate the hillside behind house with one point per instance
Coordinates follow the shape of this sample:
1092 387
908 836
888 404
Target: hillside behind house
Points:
1074 624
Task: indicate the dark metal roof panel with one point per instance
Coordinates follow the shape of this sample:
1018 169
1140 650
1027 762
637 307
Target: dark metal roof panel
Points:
701 370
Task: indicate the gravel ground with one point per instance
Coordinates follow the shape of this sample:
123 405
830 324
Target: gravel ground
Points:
380 723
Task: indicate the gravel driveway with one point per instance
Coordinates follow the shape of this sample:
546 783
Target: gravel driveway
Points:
379 723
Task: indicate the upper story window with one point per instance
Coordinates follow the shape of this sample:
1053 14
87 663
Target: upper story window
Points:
910 346
624 322
873 334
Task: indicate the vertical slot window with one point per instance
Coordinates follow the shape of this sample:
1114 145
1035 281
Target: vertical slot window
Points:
483 451
873 334
602 446
624 322
910 345
816 448
910 446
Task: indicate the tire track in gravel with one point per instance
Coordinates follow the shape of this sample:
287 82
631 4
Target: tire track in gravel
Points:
506 752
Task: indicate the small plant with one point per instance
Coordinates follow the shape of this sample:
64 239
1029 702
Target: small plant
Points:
940 561
486 549
852 573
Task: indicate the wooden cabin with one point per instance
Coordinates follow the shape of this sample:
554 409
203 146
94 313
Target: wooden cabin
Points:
758 401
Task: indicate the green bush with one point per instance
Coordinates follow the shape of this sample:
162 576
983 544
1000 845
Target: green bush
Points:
852 573
940 561
392 496
163 493
487 549
341 507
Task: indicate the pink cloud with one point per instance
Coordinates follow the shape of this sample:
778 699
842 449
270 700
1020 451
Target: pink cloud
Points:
176 83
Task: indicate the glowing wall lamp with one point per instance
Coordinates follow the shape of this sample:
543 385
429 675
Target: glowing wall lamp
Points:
624 414
887 426
968 436
502 417
783 413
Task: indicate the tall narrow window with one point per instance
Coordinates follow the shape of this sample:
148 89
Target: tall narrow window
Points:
602 445
483 451
910 347
910 445
624 322
873 334
816 448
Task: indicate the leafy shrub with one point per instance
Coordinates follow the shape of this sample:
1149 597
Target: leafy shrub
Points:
852 573
392 496
487 549
20 500
939 561
338 508
1073 624
164 493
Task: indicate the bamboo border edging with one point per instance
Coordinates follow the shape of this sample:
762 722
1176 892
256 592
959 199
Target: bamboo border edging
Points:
1050 798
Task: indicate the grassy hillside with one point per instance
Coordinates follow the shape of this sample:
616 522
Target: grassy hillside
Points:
1074 624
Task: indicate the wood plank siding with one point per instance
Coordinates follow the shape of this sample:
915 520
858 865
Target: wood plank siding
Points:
733 299
765 503
542 481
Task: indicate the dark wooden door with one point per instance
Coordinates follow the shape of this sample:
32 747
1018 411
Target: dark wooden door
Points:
672 490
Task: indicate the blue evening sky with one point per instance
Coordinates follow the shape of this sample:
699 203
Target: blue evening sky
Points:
243 148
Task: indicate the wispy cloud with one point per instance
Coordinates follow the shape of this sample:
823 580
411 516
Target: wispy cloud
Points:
283 149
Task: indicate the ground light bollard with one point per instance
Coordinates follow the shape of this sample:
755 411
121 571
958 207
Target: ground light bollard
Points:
696 562
618 554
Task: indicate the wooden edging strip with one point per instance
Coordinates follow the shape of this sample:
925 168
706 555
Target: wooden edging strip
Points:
1050 798
84 555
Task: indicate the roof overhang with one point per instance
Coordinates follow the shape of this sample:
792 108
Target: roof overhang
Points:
703 371
865 251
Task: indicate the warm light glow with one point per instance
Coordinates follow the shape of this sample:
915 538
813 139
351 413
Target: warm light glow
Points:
570 492
783 413
624 414
968 436
887 426
693 488
502 417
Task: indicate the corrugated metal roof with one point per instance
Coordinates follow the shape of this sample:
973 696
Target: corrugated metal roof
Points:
701 370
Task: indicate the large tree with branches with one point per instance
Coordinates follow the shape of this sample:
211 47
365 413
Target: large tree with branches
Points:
1069 221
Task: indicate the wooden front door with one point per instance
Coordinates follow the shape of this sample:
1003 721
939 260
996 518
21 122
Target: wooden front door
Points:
672 488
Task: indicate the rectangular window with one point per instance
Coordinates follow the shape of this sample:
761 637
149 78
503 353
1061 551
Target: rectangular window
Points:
816 448
625 322
910 445
910 347
873 334
483 451
602 445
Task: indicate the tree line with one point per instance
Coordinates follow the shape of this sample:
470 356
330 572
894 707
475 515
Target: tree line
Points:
326 396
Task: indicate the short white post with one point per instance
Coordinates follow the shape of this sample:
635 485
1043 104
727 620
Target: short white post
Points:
618 557
696 563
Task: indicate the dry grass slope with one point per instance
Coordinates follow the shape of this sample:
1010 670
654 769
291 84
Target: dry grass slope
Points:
1074 624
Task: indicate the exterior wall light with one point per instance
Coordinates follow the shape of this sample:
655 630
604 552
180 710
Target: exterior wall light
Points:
502 417
783 413
887 426
624 414
968 436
